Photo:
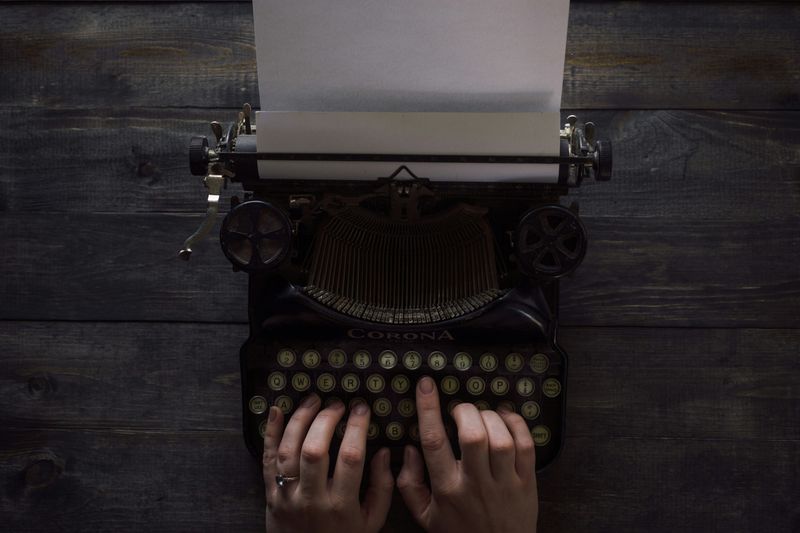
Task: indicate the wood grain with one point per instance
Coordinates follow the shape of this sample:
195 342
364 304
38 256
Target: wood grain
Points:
742 166
691 56
637 272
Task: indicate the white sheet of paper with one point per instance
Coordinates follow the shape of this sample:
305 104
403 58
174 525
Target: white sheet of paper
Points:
462 56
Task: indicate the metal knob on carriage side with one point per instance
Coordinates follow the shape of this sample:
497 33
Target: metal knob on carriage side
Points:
256 236
550 242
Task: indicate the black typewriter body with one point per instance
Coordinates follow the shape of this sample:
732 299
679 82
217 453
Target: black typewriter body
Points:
359 288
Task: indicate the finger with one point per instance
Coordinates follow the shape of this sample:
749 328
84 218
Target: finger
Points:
525 454
501 447
378 498
473 440
294 435
411 484
314 459
352 451
272 437
435 446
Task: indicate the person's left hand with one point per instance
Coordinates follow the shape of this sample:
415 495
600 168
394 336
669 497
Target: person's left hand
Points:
314 503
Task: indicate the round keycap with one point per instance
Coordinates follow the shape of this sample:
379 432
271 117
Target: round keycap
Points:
286 358
400 384
382 407
530 410
437 360
350 382
258 405
452 405
355 401
361 359
326 382
412 360
540 363
499 386
285 403
300 381
475 385
375 383
462 361
373 431
262 428
450 385
311 359
332 400
387 359
337 358
482 405
488 362
506 406
276 381
406 407
551 387
525 386
394 430
514 362
541 435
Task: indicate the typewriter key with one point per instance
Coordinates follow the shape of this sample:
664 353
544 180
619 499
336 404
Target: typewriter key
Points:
488 362
285 403
514 362
551 387
394 430
262 428
332 400
375 383
450 385
525 386
452 405
541 435
412 360
530 410
373 431
382 407
286 358
482 405
475 385
350 382
326 382
337 358
258 405
311 359
437 360
361 359
301 382
462 361
276 381
387 359
540 363
507 406
400 384
355 401
406 407
499 386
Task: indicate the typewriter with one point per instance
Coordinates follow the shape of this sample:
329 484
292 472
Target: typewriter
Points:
357 288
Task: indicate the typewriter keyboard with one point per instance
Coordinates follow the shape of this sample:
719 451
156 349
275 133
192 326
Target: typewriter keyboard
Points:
527 381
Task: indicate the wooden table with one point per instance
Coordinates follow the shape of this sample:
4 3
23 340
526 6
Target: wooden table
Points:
119 378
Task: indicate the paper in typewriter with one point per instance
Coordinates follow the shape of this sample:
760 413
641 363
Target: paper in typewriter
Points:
410 76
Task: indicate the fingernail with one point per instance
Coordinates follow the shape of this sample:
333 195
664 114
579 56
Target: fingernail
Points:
426 385
360 408
309 401
273 413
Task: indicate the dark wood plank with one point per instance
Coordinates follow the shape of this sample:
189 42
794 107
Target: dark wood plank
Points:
623 382
741 166
619 55
76 480
642 272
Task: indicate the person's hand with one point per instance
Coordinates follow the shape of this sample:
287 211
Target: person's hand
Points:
491 489
313 503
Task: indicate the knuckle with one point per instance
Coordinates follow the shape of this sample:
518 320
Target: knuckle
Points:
351 455
285 454
525 446
502 446
473 438
312 453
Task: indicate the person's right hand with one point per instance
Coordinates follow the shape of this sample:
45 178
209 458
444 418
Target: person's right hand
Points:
492 488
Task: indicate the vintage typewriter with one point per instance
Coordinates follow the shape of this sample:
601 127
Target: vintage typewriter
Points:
357 288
